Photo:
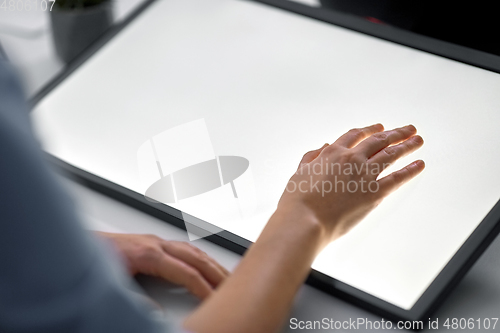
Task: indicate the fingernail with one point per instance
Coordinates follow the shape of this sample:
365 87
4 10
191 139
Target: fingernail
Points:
418 139
420 163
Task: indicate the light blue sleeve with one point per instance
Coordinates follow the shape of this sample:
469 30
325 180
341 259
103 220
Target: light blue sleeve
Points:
54 276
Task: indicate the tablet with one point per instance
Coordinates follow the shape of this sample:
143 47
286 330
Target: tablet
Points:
199 111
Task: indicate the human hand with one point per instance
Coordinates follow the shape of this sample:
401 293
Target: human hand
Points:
177 262
345 174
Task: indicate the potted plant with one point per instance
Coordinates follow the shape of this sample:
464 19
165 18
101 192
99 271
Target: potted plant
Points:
78 23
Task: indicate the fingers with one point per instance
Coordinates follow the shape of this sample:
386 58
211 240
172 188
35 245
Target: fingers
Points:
199 260
356 135
311 155
393 181
391 154
178 272
379 141
177 262
222 268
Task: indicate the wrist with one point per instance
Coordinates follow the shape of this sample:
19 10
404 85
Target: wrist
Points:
300 223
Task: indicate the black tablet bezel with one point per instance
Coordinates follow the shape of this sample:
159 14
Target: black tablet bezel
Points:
451 274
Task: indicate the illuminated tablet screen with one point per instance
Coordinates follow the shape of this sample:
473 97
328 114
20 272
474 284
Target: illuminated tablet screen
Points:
219 99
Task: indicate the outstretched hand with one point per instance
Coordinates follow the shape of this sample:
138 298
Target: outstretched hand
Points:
340 184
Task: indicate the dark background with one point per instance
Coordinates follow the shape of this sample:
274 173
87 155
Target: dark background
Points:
475 24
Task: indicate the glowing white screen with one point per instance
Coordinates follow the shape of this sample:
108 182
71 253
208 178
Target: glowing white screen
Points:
268 86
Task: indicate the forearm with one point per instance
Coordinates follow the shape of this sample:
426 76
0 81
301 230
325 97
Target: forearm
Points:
258 296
